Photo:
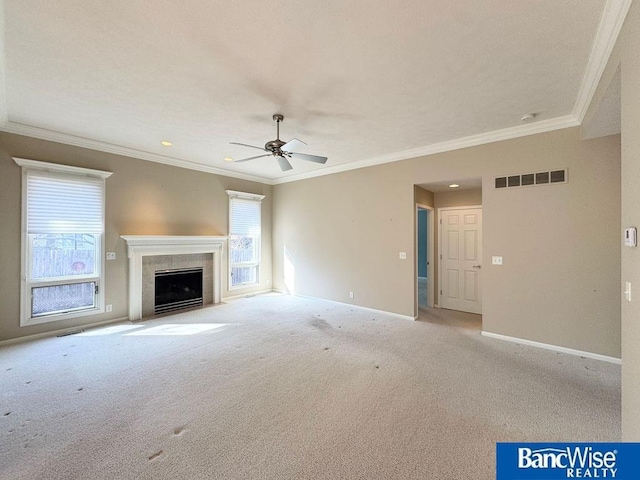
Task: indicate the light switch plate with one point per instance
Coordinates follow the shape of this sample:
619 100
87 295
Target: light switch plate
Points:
111 255
496 260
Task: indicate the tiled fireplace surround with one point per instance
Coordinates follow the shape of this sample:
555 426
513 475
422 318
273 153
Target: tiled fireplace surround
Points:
148 253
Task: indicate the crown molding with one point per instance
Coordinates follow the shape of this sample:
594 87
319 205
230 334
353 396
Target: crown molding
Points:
611 22
542 126
64 138
613 16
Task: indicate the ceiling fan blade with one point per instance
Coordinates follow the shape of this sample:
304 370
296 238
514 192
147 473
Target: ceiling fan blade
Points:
311 158
252 146
293 145
284 164
251 158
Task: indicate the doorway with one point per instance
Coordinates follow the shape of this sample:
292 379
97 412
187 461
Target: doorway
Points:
460 254
424 256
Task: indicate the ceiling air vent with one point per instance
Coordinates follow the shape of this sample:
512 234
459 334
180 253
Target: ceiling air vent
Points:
528 179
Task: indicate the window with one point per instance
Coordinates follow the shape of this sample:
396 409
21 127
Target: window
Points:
244 238
62 237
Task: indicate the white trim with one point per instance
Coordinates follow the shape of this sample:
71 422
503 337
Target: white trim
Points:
555 348
57 167
139 246
609 28
372 310
53 136
613 16
542 126
61 331
508 133
245 196
249 294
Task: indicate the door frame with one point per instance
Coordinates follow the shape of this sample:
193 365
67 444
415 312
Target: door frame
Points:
430 255
440 210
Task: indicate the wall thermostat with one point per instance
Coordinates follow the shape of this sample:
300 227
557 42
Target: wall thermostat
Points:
630 237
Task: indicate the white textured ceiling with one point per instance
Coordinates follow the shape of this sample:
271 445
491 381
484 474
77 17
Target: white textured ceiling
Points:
355 80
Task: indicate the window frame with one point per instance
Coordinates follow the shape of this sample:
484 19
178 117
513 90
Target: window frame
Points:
246 197
26 248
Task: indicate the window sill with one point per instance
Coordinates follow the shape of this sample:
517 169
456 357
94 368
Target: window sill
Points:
28 322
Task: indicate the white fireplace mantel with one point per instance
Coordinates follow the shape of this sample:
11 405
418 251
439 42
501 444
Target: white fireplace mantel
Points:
139 246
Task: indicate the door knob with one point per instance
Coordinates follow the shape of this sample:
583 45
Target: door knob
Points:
477 266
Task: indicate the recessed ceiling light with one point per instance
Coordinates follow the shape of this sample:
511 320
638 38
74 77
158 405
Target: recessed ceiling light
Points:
454 185
228 159
166 143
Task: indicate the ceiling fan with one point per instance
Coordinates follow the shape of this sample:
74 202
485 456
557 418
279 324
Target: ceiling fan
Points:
282 150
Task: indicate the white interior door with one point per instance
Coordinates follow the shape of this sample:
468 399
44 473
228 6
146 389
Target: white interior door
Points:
461 259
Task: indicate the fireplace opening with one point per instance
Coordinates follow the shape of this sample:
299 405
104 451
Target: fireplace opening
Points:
177 289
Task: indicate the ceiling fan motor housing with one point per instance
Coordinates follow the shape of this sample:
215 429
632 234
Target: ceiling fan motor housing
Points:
274 146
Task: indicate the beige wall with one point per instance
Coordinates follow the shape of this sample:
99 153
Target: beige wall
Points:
560 243
424 197
458 198
630 46
625 55
141 198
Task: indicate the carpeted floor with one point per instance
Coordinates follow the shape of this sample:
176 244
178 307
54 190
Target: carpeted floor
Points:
280 387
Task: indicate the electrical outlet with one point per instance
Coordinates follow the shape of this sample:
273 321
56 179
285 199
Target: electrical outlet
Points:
350 294
111 255
109 307
627 291
403 255
496 260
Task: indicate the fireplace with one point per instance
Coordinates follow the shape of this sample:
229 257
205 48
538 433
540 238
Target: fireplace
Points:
150 253
178 289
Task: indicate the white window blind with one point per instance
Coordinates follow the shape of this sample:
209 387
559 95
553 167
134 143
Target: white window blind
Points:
63 204
245 217
244 238
62 235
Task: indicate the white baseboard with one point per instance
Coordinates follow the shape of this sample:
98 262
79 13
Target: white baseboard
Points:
62 331
245 295
372 310
555 348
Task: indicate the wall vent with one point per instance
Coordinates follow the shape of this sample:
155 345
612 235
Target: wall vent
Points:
527 179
